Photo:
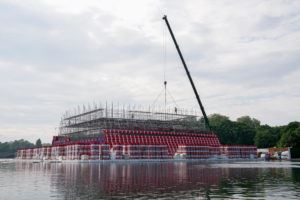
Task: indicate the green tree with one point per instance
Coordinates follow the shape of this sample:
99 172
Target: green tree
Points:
38 143
216 120
290 136
219 123
236 133
244 133
252 122
230 132
266 136
8 149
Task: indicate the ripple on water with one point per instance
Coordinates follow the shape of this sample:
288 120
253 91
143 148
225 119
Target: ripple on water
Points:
183 180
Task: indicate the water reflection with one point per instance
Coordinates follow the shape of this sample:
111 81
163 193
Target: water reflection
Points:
164 180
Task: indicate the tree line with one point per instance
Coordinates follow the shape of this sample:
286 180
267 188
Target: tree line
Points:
8 149
247 130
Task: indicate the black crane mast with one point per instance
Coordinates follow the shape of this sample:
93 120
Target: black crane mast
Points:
187 72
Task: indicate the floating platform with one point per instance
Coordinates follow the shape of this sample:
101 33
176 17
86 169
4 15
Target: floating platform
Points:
126 134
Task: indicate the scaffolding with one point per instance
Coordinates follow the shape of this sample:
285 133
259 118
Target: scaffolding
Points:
87 121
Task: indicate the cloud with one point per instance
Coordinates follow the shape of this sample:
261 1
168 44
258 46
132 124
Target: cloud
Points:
55 55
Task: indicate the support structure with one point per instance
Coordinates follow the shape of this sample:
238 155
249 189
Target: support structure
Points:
92 121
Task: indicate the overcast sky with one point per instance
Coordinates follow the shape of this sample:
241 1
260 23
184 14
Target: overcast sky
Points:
57 54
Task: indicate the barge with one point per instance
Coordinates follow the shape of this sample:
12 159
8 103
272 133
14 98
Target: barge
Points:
110 133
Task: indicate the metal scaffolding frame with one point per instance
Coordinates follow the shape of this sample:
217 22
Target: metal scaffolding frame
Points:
91 121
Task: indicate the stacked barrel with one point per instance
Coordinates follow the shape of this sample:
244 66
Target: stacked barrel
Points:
49 149
104 153
21 154
233 151
172 140
194 152
54 152
29 153
94 152
84 151
44 153
75 151
146 151
249 152
36 154
70 152
116 152
214 151
139 144
18 155
57 152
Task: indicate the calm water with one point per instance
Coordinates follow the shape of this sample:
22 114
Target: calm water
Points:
167 180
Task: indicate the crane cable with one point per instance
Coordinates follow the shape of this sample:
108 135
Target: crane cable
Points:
164 59
165 63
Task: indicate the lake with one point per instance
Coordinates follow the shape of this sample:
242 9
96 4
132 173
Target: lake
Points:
149 180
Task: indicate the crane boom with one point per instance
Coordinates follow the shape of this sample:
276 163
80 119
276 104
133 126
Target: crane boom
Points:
187 72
